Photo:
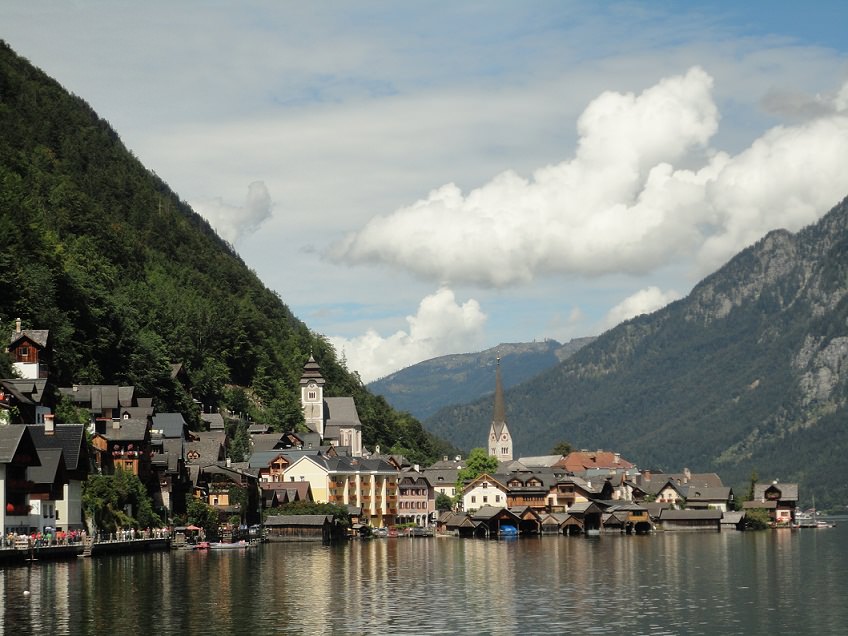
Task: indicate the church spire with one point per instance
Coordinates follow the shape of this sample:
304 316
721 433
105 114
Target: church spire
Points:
500 440
499 415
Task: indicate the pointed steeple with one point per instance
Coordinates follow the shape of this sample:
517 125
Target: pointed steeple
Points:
499 414
500 440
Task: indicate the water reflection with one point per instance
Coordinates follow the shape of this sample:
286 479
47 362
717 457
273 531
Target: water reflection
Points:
728 582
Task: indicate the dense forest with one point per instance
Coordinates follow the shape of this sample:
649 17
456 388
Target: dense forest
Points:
129 279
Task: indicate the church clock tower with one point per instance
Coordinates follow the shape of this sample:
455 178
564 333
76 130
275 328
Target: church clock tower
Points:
312 396
500 441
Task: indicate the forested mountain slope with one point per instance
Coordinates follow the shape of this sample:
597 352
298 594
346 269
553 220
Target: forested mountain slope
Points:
424 388
128 279
749 372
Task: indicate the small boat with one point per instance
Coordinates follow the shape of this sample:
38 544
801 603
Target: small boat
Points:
238 545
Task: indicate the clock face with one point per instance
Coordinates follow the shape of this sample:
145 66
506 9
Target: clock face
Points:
493 437
504 437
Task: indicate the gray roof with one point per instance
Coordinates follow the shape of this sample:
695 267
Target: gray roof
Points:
128 430
12 437
209 447
542 460
266 441
50 465
26 391
262 459
172 425
788 491
215 421
70 438
440 476
696 493
341 411
38 336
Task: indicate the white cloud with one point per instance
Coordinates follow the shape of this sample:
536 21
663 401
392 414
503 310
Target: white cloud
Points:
643 301
233 222
643 190
441 326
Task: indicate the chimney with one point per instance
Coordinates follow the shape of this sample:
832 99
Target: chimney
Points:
377 449
444 458
229 462
417 468
49 428
617 458
116 424
17 325
687 475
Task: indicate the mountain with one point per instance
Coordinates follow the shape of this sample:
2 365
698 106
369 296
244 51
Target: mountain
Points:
748 373
128 279
424 388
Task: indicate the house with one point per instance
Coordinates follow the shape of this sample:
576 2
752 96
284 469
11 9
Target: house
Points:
416 499
29 350
780 500
46 489
125 443
28 396
585 517
691 520
270 466
568 491
484 491
491 521
324 528
108 402
442 475
231 491
70 439
351 481
17 455
334 419
280 493
529 489
717 498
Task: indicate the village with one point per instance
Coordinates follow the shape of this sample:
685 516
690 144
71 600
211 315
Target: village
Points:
44 464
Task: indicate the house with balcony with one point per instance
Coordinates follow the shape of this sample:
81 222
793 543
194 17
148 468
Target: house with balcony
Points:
779 500
370 484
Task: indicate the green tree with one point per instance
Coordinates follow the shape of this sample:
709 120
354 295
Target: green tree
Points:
757 519
119 500
562 448
67 412
754 479
201 514
443 502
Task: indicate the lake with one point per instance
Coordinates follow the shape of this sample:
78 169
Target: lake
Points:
780 581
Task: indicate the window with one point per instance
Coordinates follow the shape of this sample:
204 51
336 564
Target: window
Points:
473 498
497 498
485 499
312 395
23 352
485 484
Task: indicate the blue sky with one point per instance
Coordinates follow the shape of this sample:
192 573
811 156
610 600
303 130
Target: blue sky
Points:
416 179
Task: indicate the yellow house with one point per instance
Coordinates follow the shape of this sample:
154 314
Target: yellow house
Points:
370 484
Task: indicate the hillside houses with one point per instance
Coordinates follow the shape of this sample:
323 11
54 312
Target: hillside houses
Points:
45 465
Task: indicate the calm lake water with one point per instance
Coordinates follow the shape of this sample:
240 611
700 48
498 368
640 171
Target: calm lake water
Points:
792 582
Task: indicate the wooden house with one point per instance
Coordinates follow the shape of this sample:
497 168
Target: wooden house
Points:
29 351
324 528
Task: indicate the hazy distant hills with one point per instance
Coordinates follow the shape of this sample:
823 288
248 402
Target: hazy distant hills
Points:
424 388
749 372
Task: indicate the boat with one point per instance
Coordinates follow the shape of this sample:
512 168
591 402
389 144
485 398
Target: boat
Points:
238 545
810 519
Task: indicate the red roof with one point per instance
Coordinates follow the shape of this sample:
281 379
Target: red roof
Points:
577 461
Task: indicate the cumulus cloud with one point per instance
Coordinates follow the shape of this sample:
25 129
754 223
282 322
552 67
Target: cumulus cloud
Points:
441 326
233 222
642 190
643 301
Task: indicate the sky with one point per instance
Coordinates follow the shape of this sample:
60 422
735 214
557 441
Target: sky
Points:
419 179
